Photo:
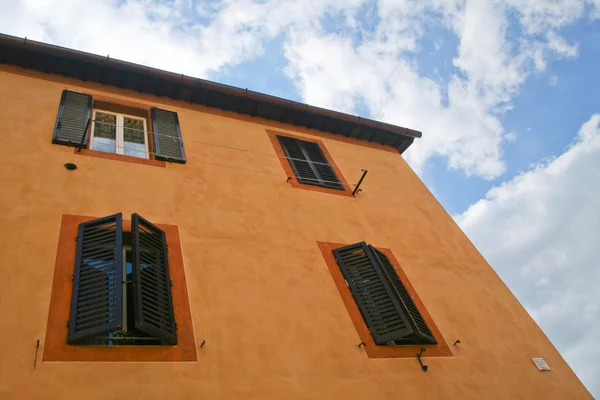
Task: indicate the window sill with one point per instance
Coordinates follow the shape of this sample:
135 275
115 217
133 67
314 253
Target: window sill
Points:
120 157
374 351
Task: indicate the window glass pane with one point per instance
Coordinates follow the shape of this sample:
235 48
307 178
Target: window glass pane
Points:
134 138
105 133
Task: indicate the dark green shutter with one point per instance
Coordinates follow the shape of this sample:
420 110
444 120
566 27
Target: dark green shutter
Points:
97 298
309 163
386 306
152 301
73 120
321 165
168 144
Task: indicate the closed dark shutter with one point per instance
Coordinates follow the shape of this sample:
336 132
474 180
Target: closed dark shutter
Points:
321 165
309 163
97 299
168 144
73 119
386 306
152 302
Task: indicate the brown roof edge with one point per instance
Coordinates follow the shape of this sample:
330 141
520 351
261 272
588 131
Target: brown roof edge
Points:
15 50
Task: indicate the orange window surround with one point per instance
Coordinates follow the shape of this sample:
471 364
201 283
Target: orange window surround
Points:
290 172
374 351
56 347
108 104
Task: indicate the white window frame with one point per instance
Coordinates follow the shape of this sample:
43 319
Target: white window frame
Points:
120 121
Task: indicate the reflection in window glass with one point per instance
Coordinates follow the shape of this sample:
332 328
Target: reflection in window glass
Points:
105 133
133 137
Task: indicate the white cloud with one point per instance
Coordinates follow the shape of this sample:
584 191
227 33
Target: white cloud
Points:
540 233
169 35
595 9
460 116
537 16
559 45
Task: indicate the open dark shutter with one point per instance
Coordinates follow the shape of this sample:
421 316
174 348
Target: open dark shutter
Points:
97 299
168 144
309 163
422 331
73 120
152 302
386 306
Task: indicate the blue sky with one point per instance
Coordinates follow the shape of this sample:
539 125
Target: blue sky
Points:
506 93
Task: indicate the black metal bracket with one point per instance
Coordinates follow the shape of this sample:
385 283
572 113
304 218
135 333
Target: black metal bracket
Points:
37 346
361 344
423 366
87 125
357 188
457 342
202 344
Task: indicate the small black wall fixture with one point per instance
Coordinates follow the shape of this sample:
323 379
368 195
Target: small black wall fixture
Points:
202 344
457 342
356 189
361 344
70 166
424 367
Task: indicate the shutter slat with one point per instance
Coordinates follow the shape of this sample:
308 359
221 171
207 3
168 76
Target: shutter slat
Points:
152 301
168 143
72 121
386 306
97 298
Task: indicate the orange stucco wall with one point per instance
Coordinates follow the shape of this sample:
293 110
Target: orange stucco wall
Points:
259 289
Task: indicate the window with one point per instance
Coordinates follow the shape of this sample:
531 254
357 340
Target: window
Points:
309 164
81 123
385 304
121 286
120 134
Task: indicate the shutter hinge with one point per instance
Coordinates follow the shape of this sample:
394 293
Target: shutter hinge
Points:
73 278
171 282
68 323
77 238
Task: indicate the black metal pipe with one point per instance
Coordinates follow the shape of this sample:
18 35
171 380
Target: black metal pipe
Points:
87 125
359 182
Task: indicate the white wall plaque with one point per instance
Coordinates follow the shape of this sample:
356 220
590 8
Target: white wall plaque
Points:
540 363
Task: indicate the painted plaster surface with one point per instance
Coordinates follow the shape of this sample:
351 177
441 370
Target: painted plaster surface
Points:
259 289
